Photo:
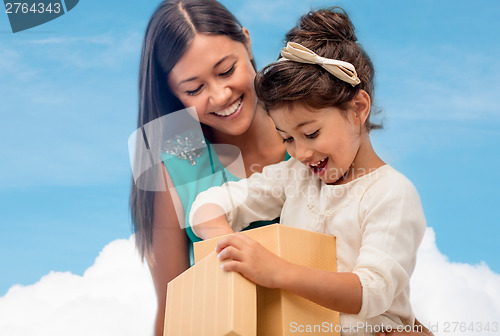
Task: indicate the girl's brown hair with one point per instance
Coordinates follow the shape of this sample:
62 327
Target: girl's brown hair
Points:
329 33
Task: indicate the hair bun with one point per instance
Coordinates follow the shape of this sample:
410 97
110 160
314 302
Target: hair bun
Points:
326 24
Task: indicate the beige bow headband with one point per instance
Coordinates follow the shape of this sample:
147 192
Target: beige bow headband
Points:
344 71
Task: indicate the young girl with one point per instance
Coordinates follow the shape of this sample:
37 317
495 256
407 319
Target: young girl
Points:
319 96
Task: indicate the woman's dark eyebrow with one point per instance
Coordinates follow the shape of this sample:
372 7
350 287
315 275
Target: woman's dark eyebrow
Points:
222 60
187 80
215 66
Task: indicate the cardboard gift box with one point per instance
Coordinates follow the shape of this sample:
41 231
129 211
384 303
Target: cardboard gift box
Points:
205 300
231 300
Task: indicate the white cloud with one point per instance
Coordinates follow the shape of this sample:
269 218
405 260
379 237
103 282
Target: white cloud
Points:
450 296
113 297
116 297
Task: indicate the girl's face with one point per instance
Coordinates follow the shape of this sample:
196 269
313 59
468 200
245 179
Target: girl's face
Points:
324 140
216 75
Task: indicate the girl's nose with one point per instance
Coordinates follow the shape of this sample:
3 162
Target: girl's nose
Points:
303 153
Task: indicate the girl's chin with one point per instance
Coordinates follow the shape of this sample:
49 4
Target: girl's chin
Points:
330 177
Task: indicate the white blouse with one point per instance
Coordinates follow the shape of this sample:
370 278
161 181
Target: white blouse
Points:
377 218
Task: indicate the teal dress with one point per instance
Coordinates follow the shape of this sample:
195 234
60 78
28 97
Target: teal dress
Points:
195 172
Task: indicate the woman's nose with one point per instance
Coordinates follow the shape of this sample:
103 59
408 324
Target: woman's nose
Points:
220 96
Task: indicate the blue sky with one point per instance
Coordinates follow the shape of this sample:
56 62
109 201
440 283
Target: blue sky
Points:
68 105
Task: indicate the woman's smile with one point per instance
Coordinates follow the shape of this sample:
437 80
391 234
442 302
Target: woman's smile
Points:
232 111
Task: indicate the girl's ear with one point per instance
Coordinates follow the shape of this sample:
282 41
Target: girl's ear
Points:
361 104
248 43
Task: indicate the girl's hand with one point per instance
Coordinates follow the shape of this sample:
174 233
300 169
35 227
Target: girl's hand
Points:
244 255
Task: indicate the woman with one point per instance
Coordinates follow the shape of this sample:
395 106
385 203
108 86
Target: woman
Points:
195 53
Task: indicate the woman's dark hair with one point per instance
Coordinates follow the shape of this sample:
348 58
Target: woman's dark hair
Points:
329 33
169 33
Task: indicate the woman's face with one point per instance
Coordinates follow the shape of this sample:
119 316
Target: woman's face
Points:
216 76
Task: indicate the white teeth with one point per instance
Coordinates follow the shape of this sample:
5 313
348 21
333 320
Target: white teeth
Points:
317 163
229 110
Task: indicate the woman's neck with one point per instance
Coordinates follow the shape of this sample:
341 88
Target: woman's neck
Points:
260 145
253 138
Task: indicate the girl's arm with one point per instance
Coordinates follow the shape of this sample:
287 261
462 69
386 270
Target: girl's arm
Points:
206 229
232 206
338 291
392 224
